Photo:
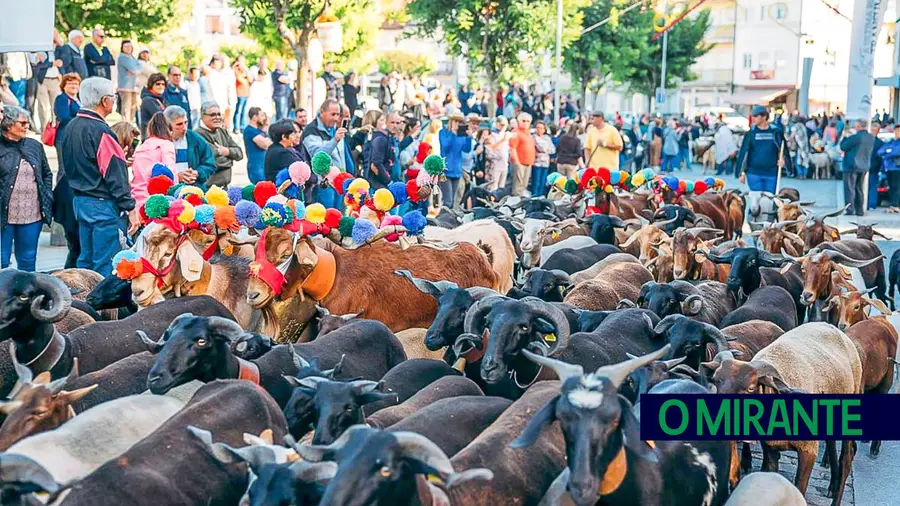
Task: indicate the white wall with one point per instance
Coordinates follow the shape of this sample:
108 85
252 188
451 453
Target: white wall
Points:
766 42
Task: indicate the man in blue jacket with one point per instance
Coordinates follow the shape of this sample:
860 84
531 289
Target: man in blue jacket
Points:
175 94
97 57
454 141
890 157
763 153
857 150
71 57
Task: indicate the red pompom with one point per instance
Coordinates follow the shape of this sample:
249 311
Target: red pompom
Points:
262 192
159 185
338 182
682 186
412 191
411 173
333 218
603 177
700 187
194 199
586 178
144 218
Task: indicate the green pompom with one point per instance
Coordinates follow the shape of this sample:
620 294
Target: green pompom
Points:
247 193
434 165
174 189
321 164
157 206
571 187
346 226
288 214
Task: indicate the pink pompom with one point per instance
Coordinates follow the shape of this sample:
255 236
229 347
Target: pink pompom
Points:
278 199
423 178
175 208
391 220
333 173
299 172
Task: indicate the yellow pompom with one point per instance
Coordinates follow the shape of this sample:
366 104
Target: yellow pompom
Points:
315 213
187 189
359 185
608 189
187 215
384 199
560 183
637 179
216 196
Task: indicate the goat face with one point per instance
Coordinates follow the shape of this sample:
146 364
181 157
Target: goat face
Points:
816 277
513 325
550 286
732 376
689 338
38 408
745 264
449 320
851 307
276 484
603 228
662 299
195 347
337 405
279 248
251 346
161 249
111 293
30 298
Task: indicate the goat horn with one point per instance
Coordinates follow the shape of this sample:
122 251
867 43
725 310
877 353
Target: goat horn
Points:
832 214
696 231
26 376
318 453
225 326
299 362
671 364
312 382
564 370
57 386
661 224
420 448
59 295
837 256
556 316
21 469
781 224
313 471
618 372
476 313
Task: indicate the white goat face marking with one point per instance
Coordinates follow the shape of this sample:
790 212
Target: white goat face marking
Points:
705 461
585 398
592 381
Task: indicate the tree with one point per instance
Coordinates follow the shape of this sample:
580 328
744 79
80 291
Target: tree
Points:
141 19
416 64
494 35
685 46
608 52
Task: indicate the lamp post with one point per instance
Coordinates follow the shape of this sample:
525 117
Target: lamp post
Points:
558 70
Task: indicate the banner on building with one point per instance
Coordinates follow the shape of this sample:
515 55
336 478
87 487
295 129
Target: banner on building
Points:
867 19
26 26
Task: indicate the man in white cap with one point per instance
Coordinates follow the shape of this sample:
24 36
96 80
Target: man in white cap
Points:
71 56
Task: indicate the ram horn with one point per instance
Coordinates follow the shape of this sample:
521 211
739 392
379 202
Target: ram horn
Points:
225 327
420 448
564 370
318 453
56 293
555 315
718 339
23 470
832 214
618 372
696 231
478 311
837 256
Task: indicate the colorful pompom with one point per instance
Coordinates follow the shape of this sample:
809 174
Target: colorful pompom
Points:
700 187
391 220
127 264
414 222
174 189
412 191
216 196
187 213
560 183
315 213
235 195
159 185
333 173
161 170
273 215
689 187
333 218
552 177
384 199
609 188
359 185
189 189
603 176
638 179
571 187
363 230
282 176
298 208
321 164
434 165
398 190
345 227
341 182
247 192
299 173
247 213
263 191
175 208
205 214
156 207
279 199
226 218
193 199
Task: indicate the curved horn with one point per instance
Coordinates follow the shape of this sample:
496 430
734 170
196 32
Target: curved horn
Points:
433 288
57 385
60 299
420 448
696 231
618 372
313 471
478 311
781 224
662 224
837 256
556 316
318 453
718 259
832 214
228 328
21 469
717 337
564 370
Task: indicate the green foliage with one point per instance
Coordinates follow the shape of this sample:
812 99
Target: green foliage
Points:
416 64
360 23
173 48
685 46
140 20
251 51
493 35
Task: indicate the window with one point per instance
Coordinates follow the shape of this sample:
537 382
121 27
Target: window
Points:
214 24
748 60
780 59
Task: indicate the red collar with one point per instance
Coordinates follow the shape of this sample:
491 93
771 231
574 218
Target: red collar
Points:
211 250
161 273
248 371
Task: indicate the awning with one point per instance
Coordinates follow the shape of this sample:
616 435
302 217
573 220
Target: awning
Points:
753 96
893 81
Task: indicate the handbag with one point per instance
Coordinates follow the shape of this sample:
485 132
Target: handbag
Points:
48 136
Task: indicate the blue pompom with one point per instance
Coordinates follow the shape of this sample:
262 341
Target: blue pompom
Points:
414 222
398 190
273 215
292 191
205 214
235 195
125 254
363 230
161 170
300 210
347 185
710 181
248 213
282 176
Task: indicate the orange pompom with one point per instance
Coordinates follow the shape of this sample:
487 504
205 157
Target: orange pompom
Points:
129 269
225 218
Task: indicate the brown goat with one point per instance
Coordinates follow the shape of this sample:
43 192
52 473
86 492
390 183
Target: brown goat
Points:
735 213
876 342
863 231
685 243
616 282
815 232
662 264
817 267
647 237
715 206
355 280
850 305
777 237
791 211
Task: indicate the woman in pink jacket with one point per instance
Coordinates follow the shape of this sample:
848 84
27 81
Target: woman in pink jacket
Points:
158 148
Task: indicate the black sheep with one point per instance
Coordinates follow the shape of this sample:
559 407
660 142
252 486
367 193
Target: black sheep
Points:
113 293
571 260
446 387
769 303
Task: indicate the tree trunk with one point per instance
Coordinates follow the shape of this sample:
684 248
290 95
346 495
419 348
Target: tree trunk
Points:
300 90
492 99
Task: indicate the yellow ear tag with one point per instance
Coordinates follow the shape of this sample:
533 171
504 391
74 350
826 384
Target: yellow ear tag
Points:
834 234
554 235
550 338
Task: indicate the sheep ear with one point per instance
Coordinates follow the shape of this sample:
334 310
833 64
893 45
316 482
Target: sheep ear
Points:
371 397
631 433
191 262
541 420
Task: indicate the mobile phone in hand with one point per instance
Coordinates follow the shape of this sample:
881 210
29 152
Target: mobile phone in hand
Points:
345 124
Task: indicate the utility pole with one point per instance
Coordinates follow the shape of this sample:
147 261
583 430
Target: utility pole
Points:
665 50
558 71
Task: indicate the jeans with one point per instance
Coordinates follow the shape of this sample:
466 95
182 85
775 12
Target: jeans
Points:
669 162
853 192
684 155
328 197
99 225
802 171
448 191
240 114
726 167
759 183
281 108
872 202
25 238
539 180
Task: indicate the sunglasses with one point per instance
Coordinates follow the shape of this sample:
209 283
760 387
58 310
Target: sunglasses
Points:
214 115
